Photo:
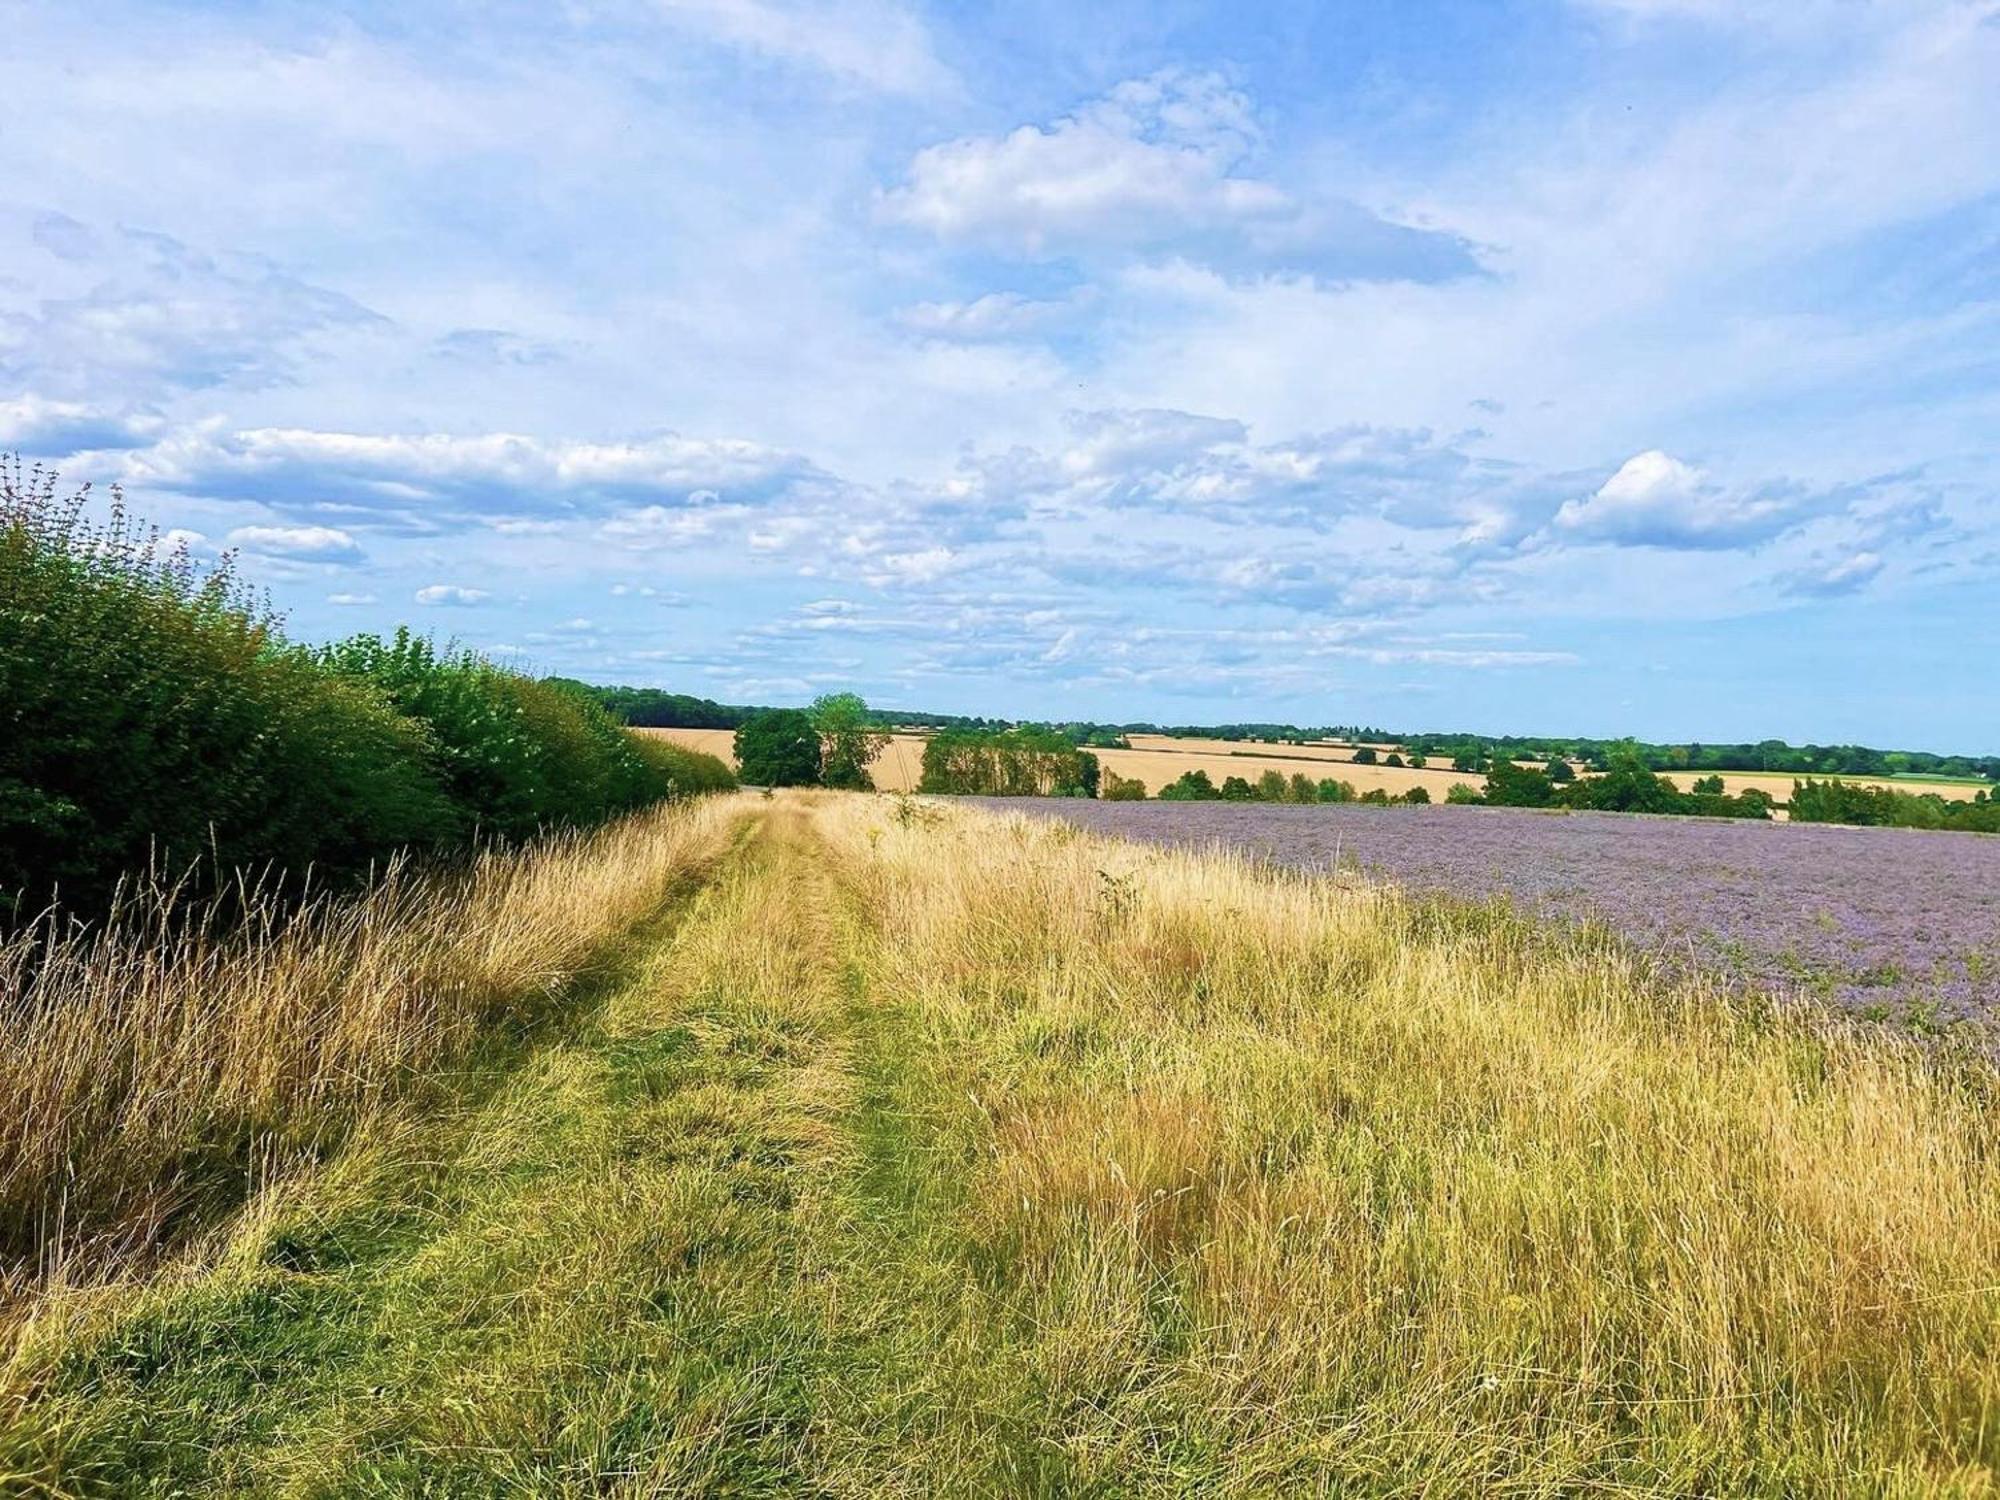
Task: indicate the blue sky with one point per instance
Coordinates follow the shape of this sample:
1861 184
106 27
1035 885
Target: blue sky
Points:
1596 366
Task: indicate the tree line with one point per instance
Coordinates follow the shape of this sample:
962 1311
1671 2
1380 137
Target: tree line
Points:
153 716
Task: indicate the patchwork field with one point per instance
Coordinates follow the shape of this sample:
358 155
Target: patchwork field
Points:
1889 921
907 1150
1156 759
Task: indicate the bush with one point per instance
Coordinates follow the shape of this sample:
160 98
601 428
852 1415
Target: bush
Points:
1271 787
1008 763
1393 759
1236 789
1365 756
1458 794
1189 786
1330 790
1301 789
778 747
1116 788
1417 796
1560 772
153 716
1509 785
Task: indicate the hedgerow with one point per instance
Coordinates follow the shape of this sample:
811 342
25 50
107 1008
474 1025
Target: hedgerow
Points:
153 717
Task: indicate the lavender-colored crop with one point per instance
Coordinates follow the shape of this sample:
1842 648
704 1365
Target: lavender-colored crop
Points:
1889 921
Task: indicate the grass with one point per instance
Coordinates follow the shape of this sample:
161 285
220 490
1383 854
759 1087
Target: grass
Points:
922 1152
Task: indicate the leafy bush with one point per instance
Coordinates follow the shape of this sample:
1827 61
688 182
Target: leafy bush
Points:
153 716
1189 786
1010 763
1417 796
1560 772
1330 790
1365 756
1844 802
778 747
1236 789
1116 788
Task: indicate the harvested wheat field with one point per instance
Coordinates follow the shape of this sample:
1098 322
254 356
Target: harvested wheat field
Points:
914 1150
1153 760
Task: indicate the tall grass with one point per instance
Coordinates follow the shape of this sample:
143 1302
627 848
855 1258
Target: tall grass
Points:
1282 1181
153 1065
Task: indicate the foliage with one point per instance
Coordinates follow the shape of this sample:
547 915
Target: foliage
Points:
848 739
1115 788
1330 790
1418 796
1190 786
778 747
1012 763
1560 772
1365 756
1842 802
153 716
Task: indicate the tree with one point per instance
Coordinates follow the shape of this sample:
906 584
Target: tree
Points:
1417 762
1365 756
1708 784
848 741
1393 759
1301 789
1236 789
1560 771
778 747
1509 785
1271 787
1190 786
1417 796
1459 794
1116 788
1330 790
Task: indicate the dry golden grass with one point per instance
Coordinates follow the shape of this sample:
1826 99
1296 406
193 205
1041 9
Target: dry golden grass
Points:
152 1065
1288 1170
936 1153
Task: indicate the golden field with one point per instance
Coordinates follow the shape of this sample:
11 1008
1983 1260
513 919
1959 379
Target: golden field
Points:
1153 759
917 1151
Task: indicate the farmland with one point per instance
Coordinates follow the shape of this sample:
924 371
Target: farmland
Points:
1883 921
1155 760
904 1149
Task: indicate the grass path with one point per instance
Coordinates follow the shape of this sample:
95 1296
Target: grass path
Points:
929 1156
675 1253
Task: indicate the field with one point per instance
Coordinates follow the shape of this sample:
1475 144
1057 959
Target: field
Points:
1156 759
1882 920
1153 759
903 1149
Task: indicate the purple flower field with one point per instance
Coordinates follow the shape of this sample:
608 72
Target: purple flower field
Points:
1892 922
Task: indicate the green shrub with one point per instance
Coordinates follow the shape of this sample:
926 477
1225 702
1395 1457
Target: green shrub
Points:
1189 786
1116 788
778 747
1008 763
153 716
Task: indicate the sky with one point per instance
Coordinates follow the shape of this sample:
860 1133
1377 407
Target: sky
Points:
1577 366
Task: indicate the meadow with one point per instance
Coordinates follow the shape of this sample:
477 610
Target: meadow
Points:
884 1147
1890 923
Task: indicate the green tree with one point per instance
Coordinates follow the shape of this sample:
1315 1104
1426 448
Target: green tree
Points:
1393 759
1365 756
1418 796
1330 790
1509 785
1559 771
848 741
1271 787
1189 786
778 747
1236 789
1301 789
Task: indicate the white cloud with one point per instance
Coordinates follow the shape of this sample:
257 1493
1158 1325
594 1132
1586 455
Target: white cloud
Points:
55 429
1655 500
348 601
1848 575
451 593
870 42
495 472
996 315
655 526
304 543
1153 158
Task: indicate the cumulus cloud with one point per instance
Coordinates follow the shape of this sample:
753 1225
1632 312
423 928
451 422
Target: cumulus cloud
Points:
301 543
490 472
451 594
1656 500
56 429
159 316
1163 161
